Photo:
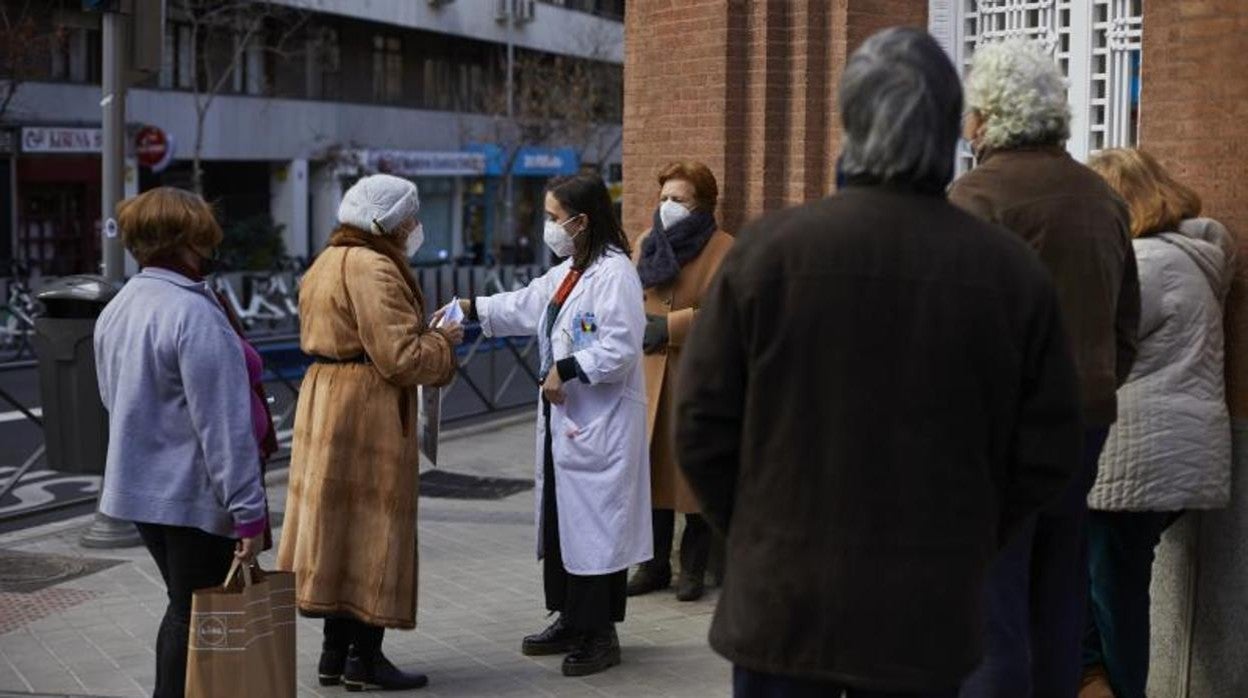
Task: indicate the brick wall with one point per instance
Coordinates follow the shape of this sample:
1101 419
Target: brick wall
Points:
1194 104
746 86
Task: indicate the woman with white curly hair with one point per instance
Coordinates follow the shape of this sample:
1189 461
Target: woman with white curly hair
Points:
1018 121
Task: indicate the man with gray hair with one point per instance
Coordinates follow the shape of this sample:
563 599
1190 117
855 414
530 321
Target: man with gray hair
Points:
1018 122
878 391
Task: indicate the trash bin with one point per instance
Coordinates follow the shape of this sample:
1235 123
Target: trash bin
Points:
75 425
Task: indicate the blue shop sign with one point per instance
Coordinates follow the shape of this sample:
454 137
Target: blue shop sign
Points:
546 162
531 161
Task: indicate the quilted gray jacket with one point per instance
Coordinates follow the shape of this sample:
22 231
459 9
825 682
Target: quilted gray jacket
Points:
1171 446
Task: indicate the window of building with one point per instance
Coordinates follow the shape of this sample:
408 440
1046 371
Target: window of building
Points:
1097 43
323 60
249 64
178 64
387 68
437 207
76 54
612 9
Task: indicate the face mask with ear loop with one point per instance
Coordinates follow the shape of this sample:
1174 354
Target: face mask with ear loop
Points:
557 238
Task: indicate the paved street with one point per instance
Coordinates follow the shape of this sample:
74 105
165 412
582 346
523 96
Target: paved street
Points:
480 592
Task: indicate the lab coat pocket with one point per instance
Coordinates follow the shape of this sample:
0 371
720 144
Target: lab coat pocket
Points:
585 448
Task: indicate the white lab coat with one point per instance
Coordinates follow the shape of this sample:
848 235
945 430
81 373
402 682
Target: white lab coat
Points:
601 458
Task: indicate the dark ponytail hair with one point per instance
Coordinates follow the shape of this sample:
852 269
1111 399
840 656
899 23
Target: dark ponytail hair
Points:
587 194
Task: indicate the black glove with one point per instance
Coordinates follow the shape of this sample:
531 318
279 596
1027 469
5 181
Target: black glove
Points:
656 333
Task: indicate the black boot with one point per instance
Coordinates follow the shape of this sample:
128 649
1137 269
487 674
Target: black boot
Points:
695 550
651 575
376 673
558 638
338 634
597 652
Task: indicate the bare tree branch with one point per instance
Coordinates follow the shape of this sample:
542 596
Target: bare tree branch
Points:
19 43
238 24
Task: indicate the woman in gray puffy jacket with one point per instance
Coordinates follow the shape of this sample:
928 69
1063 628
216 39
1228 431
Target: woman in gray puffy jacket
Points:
1170 450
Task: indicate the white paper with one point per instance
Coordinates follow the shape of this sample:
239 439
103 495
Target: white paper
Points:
451 314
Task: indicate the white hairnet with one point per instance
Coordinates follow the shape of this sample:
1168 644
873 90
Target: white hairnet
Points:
379 204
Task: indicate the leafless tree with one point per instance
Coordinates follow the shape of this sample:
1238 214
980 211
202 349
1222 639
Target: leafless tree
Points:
19 44
223 33
556 100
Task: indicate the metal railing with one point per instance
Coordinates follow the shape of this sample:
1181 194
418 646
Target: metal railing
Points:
492 374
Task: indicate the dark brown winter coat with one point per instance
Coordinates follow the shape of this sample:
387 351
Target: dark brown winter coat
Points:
877 390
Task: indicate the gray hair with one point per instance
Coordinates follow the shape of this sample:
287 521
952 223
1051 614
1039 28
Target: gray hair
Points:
1019 91
901 106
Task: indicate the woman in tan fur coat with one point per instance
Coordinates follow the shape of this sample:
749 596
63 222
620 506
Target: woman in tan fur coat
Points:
350 531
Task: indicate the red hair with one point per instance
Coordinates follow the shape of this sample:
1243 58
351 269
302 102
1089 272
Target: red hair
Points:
705 188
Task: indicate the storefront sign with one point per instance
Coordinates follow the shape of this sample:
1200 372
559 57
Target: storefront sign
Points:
39 139
545 162
415 163
153 148
529 161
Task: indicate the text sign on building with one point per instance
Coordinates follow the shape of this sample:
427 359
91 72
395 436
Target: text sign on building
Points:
545 162
414 163
40 139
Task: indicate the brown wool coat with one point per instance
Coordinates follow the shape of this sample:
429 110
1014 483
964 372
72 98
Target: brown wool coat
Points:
350 530
679 301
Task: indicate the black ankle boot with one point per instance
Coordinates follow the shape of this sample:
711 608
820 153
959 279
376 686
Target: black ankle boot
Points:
597 651
691 585
376 673
558 638
333 662
695 551
650 576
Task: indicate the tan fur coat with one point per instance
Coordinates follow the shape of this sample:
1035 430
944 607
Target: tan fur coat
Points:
350 530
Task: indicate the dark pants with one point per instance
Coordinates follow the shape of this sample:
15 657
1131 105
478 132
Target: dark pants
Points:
695 543
1036 598
755 684
346 633
589 603
1121 547
189 559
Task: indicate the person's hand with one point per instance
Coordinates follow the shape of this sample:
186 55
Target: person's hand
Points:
248 548
656 336
552 389
454 333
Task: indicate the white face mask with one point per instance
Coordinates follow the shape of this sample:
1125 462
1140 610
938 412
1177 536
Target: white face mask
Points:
671 213
558 239
415 239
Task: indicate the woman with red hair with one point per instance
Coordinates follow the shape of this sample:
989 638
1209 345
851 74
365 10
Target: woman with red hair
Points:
676 259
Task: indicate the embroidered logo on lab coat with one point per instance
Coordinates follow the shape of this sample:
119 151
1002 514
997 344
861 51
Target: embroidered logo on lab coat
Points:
584 331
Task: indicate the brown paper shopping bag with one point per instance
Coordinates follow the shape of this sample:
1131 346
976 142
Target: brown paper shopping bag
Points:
239 644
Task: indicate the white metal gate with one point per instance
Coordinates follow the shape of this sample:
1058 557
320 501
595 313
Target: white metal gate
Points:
1097 43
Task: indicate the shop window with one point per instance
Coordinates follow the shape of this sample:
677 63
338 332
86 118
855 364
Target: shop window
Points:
387 68
437 216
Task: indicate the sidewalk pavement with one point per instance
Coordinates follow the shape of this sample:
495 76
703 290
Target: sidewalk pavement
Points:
480 592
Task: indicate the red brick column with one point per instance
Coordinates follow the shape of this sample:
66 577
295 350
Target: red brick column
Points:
1195 118
746 86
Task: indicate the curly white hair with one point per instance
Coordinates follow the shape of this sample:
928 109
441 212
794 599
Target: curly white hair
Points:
1019 91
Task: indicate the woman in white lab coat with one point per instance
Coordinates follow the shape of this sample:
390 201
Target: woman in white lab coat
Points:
593 474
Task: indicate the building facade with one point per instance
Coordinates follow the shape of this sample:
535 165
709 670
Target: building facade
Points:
322 92
759 106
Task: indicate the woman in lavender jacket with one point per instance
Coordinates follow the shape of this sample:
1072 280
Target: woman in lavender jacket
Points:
183 460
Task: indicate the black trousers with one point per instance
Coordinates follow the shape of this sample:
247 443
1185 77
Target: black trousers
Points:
345 632
588 602
188 559
695 543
